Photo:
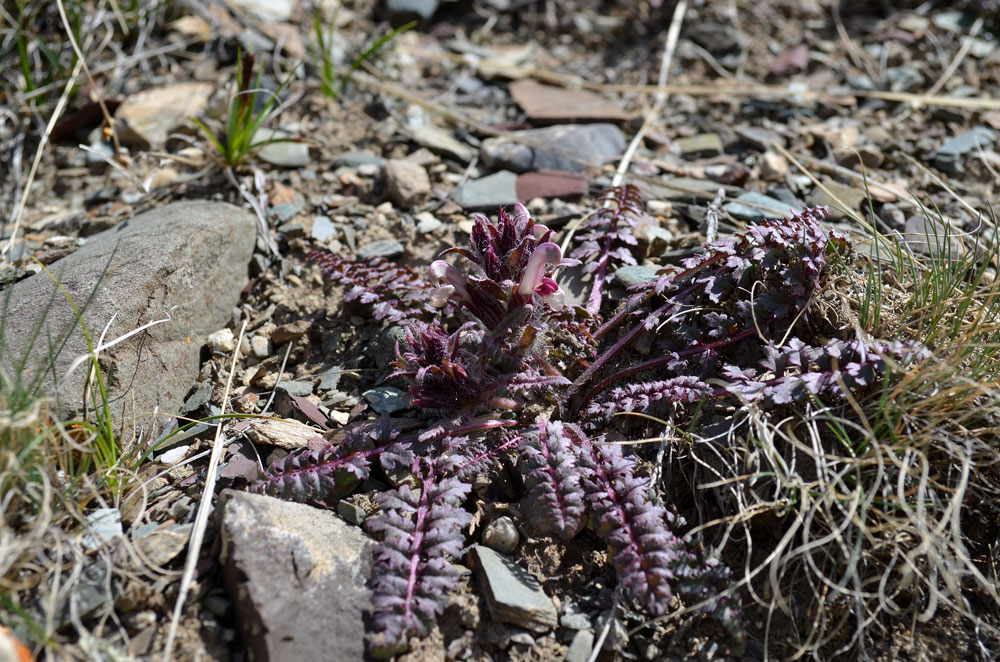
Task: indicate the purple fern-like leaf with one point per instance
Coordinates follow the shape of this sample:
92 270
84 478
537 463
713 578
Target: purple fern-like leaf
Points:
412 575
554 498
643 550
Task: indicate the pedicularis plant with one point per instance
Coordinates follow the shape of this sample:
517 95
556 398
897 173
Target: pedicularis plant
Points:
505 373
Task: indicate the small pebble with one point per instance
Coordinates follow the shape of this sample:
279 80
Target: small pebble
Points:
501 535
221 342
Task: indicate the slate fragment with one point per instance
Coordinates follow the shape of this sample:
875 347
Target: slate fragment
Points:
512 594
572 147
297 577
549 103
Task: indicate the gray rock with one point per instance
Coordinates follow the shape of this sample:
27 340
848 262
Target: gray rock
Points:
572 147
386 399
296 576
95 588
285 211
427 222
271 10
685 189
161 547
635 275
401 11
488 192
406 183
851 197
300 388
927 236
754 206
512 594
355 159
759 138
904 78
580 648
351 512
501 535
442 141
386 248
323 229
286 154
954 150
292 230
573 619
329 380
188 258
383 346
104 525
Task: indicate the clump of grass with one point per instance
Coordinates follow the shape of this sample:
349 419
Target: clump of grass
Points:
858 520
332 84
239 139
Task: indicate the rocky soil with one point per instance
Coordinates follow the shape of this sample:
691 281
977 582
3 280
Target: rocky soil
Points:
778 105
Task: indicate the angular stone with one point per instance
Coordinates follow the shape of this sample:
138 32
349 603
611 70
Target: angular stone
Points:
269 10
950 156
323 229
581 647
406 183
296 576
758 137
442 141
851 197
164 545
488 193
355 159
699 146
752 206
284 433
282 150
152 114
402 11
512 594
928 236
685 189
572 147
427 222
387 248
104 525
549 184
187 259
549 103
386 399
635 275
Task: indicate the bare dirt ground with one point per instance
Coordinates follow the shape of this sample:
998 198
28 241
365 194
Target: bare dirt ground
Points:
884 110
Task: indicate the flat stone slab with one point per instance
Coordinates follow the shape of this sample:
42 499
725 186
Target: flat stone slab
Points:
513 595
297 577
546 102
487 193
684 189
572 147
187 260
753 206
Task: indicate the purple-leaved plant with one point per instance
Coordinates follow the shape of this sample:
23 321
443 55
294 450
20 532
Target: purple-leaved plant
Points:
499 367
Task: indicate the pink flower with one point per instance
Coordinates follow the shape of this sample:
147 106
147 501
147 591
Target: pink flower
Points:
449 283
533 278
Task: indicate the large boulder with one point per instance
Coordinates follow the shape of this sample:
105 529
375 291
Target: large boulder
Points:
296 576
187 260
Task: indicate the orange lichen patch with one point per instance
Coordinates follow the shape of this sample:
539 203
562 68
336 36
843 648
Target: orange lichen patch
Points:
12 650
